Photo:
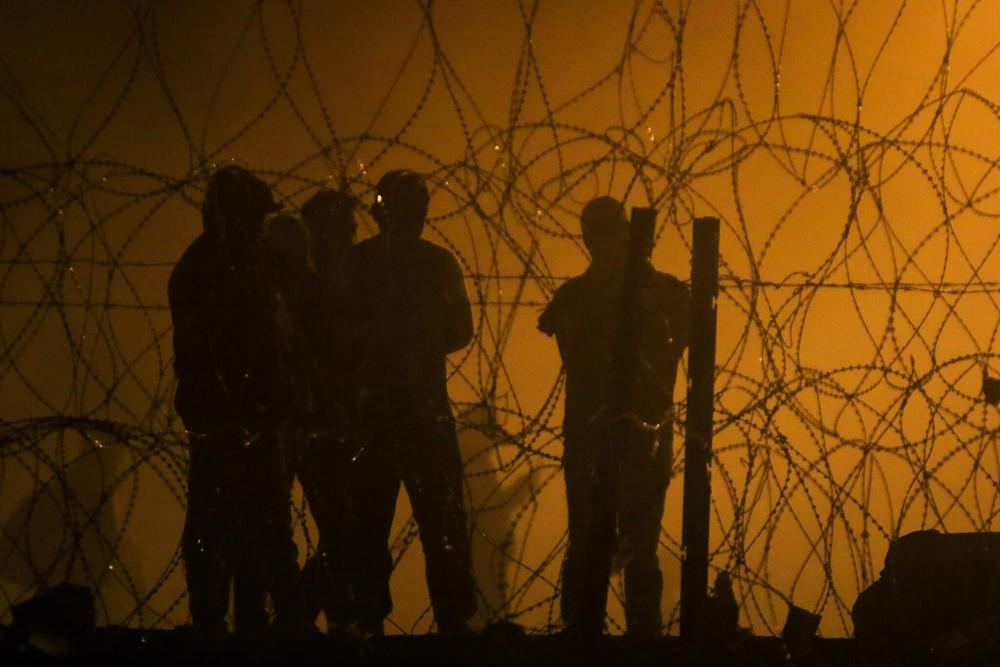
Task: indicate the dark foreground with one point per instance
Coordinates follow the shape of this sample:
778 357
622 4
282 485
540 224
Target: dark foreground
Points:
118 646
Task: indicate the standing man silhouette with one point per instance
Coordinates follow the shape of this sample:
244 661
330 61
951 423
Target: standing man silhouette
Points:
228 363
410 310
617 458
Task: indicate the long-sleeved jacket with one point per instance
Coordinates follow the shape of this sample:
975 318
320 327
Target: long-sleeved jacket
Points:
584 315
409 310
224 348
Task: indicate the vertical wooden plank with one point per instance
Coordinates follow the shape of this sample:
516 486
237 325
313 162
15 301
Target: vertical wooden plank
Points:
700 410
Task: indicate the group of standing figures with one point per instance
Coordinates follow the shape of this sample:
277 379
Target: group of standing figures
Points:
300 354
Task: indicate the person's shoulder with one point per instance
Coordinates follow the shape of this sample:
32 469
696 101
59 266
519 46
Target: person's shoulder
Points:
670 293
194 260
431 249
571 287
202 246
667 282
574 289
366 245
435 257
664 278
562 299
362 252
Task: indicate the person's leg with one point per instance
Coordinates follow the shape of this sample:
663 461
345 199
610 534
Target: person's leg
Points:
285 578
326 575
645 474
207 527
249 593
431 467
374 489
270 557
590 500
249 543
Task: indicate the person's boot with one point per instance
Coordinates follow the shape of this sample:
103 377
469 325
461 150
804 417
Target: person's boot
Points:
453 628
643 589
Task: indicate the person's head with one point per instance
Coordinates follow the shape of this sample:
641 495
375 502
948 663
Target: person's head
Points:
329 214
236 203
605 232
283 246
400 205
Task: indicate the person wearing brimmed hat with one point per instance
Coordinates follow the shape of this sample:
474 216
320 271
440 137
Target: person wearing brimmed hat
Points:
227 363
616 458
409 310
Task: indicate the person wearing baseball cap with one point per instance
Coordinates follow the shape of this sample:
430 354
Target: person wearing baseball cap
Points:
409 310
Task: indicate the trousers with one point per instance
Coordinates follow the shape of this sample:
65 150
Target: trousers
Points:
238 531
418 450
615 494
323 469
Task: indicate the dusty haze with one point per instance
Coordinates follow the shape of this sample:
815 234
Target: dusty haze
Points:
850 152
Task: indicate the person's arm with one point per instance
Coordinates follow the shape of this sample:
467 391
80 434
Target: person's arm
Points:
551 319
458 327
679 318
676 312
192 348
547 320
190 337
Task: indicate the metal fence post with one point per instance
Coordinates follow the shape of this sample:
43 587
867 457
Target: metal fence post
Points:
700 409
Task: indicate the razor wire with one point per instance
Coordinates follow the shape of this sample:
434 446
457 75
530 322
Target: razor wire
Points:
857 316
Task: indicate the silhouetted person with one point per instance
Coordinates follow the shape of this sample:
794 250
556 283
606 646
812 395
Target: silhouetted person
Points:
228 363
410 309
616 462
329 214
325 459
287 277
